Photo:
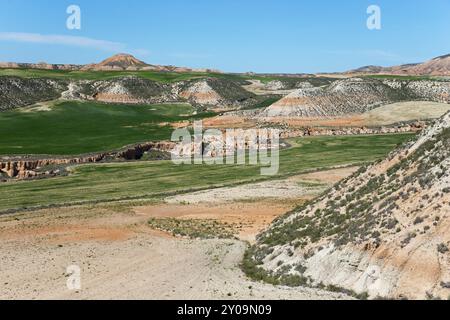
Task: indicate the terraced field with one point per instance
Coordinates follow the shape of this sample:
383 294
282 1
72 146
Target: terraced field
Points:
133 180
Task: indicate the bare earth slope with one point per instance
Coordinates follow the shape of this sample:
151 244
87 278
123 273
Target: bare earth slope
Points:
215 92
129 89
17 92
383 231
439 66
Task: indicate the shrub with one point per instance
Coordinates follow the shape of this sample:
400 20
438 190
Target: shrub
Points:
442 248
418 220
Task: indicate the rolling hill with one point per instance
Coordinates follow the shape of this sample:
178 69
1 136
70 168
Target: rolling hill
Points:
355 96
439 66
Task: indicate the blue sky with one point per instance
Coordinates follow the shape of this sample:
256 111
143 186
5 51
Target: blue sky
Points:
231 35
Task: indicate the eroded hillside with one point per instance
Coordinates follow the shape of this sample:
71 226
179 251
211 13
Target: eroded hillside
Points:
383 232
355 96
17 92
214 93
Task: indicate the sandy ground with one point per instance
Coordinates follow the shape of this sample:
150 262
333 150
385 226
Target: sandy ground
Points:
120 257
292 188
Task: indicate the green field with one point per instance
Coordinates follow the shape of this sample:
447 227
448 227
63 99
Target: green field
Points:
102 182
71 128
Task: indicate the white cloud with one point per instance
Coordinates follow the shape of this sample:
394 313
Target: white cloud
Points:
62 40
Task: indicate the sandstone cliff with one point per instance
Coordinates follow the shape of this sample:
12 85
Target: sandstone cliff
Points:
34 166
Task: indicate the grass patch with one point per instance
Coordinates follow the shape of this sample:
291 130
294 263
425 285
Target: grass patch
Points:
107 182
194 228
268 101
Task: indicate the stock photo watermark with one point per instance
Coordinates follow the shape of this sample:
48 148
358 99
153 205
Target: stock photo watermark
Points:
73 22
374 19
73 282
230 146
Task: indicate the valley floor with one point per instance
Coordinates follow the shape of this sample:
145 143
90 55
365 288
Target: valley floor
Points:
122 257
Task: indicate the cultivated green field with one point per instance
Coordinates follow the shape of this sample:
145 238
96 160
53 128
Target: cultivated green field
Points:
70 128
102 182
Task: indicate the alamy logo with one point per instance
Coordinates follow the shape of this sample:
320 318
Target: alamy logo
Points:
74 20
374 20
74 277
231 146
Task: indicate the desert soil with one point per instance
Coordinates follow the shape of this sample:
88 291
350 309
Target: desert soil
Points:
121 257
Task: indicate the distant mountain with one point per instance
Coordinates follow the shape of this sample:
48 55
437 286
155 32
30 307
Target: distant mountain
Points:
439 66
121 61
118 62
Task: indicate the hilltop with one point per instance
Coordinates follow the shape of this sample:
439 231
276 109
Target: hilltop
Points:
119 61
355 96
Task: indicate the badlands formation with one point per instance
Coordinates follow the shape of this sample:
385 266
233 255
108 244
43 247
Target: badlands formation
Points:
439 66
379 232
211 93
355 96
382 232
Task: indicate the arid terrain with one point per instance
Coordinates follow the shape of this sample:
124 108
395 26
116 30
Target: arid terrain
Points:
382 232
122 257
357 208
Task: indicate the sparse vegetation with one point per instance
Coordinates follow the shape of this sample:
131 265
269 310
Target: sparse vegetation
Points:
194 228
362 210
442 248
